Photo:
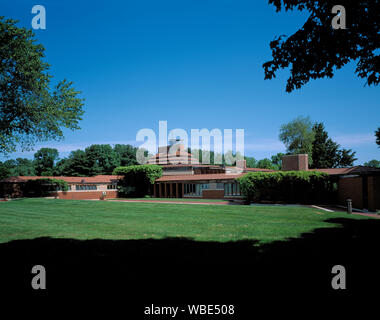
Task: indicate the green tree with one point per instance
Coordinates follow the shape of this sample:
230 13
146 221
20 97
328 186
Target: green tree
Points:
372 163
345 158
266 164
324 149
316 50
101 159
277 160
298 136
31 109
76 165
44 160
326 152
377 135
251 162
125 155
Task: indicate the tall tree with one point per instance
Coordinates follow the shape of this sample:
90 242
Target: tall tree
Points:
44 160
101 159
125 154
30 108
76 165
377 135
277 160
298 136
324 149
345 158
326 152
372 163
317 49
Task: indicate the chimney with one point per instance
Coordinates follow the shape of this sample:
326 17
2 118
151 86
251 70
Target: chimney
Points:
241 164
295 162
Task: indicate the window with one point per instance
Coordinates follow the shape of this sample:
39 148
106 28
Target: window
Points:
80 187
231 189
112 186
195 189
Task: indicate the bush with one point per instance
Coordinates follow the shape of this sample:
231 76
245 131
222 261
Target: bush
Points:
137 180
43 187
288 187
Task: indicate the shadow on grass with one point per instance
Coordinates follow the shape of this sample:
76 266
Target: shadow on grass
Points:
212 269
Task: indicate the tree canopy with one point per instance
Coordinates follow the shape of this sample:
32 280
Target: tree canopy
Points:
298 136
326 153
377 135
316 50
31 108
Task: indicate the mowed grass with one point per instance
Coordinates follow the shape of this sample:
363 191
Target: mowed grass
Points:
174 199
33 218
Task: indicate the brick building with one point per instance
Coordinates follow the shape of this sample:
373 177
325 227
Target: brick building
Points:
80 188
184 177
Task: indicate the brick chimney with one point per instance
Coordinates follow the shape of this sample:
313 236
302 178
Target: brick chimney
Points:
295 162
242 164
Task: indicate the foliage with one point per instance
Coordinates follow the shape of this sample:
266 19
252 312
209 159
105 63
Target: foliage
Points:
372 163
326 152
138 179
44 161
18 167
266 164
288 187
316 49
42 187
30 110
377 135
298 136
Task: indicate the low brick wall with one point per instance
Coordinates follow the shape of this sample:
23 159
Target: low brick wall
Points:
85 195
213 194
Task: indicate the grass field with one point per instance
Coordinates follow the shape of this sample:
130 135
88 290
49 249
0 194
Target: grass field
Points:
174 199
33 218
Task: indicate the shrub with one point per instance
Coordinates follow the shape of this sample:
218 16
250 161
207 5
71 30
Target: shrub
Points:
288 187
138 179
43 187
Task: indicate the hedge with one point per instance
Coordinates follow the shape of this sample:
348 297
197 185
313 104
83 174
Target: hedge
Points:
138 179
288 187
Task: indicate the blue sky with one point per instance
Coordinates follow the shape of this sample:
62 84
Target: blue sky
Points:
194 63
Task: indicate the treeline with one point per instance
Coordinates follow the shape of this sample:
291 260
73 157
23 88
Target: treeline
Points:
94 160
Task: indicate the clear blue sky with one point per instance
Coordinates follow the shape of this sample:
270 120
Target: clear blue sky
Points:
194 63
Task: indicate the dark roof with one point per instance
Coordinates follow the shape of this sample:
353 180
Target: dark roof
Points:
350 170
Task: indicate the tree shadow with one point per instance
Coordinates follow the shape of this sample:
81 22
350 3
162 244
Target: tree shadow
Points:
178 267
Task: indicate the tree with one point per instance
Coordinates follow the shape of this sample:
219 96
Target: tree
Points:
372 163
377 135
324 149
266 164
316 49
298 136
125 154
277 160
76 165
101 159
44 160
251 162
326 152
31 109
345 158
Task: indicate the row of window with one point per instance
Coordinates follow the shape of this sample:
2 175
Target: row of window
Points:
231 189
195 189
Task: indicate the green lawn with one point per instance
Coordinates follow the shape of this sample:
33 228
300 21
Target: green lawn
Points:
32 218
175 199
